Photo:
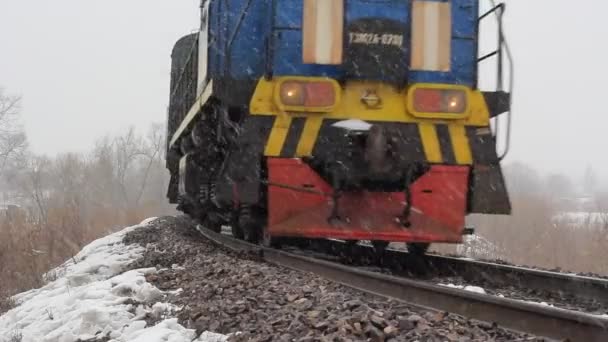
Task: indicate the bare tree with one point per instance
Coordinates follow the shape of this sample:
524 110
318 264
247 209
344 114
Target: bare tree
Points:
12 136
522 179
589 181
152 150
128 148
73 198
100 175
35 184
601 201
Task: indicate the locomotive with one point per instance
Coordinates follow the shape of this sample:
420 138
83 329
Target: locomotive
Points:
337 119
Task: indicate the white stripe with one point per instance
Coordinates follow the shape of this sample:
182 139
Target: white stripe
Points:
431 35
324 26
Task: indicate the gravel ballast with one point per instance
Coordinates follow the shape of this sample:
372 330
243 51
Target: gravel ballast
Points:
238 294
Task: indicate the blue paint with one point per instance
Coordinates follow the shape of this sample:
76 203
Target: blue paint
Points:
269 38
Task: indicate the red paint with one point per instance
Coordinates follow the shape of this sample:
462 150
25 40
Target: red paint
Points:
438 198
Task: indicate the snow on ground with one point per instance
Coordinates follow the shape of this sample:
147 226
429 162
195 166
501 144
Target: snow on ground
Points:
539 303
477 246
95 296
353 124
469 288
581 218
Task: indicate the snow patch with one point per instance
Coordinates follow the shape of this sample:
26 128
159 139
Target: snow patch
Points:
469 288
581 218
475 289
353 124
167 331
177 267
540 303
148 221
95 296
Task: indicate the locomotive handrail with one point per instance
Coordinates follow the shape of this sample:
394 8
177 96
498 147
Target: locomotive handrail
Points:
502 50
509 55
269 42
234 33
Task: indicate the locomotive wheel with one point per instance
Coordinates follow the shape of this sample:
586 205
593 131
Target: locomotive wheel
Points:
249 224
418 248
250 232
380 251
213 222
380 246
237 232
269 241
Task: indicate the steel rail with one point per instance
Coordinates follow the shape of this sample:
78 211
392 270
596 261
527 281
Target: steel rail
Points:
593 290
588 288
580 287
511 314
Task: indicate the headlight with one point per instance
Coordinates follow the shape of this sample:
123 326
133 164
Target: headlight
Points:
438 102
292 94
307 95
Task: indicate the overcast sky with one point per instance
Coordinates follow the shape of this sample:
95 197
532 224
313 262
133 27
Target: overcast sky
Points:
86 68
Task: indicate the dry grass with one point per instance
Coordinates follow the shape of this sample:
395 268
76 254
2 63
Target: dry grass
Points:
532 236
16 336
29 250
6 303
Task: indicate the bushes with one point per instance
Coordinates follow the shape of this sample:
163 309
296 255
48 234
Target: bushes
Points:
6 303
73 199
535 235
28 250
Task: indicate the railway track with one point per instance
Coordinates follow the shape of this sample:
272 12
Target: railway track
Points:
568 291
513 314
593 291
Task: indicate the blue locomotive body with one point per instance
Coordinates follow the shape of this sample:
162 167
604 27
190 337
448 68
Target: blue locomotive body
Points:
249 39
349 119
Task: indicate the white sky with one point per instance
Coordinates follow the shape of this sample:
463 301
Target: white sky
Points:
86 68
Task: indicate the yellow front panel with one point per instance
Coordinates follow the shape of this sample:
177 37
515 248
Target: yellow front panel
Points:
278 134
392 108
309 136
460 144
430 142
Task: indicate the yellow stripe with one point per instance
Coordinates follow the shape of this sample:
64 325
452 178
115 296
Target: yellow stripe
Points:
309 136
278 134
460 144
430 142
349 106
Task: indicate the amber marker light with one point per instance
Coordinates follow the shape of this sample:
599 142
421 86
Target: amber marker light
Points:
293 94
454 101
427 100
307 95
437 102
